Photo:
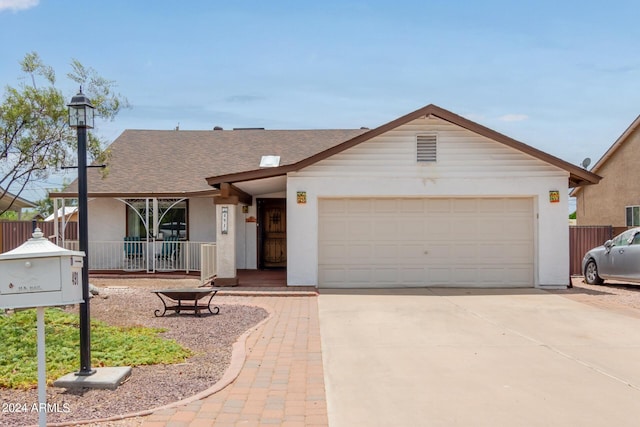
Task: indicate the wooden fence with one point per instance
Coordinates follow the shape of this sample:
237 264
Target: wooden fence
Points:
581 240
15 233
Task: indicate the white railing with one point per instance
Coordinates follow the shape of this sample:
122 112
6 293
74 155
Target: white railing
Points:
151 256
207 262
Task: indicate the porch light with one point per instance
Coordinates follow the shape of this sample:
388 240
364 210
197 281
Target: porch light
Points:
81 111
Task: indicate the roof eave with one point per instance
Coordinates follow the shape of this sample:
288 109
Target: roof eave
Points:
139 194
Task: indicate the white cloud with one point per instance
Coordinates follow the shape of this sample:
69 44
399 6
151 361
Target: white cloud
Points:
513 117
16 5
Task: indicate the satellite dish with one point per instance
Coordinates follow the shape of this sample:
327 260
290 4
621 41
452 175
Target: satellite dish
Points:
586 162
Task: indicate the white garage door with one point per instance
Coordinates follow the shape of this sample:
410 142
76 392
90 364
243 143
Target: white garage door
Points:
483 242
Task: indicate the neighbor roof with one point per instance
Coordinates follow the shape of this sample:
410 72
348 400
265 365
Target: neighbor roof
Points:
175 163
610 152
7 199
577 175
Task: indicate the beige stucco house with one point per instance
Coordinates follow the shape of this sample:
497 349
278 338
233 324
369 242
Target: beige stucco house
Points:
615 201
427 199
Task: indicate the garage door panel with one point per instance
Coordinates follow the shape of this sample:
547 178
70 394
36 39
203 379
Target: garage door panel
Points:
412 206
359 253
438 276
359 275
385 229
411 229
438 253
358 229
438 227
426 242
385 206
386 253
356 206
332 229
333 252
385 276
411 252
413 276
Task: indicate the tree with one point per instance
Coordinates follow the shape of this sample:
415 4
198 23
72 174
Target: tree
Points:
35 137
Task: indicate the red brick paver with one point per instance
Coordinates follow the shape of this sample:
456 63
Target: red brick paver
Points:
281 382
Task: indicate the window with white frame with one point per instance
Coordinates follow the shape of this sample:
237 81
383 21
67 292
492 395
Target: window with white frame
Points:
426 148
633 216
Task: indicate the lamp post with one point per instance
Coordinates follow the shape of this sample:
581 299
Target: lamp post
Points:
81 117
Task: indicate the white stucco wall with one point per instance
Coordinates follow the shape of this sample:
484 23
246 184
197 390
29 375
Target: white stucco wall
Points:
107 219
202 220
246 251
468 165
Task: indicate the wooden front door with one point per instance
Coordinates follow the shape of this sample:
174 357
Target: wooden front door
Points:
272 233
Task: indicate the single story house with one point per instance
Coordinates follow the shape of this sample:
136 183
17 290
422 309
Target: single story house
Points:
616 200
428 199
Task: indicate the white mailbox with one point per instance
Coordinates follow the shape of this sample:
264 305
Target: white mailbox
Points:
39 273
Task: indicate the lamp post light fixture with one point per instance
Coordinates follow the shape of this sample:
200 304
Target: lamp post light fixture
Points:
81 115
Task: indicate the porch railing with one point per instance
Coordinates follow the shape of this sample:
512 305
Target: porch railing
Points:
207 262
152 256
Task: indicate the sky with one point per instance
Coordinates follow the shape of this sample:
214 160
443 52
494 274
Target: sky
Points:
562 76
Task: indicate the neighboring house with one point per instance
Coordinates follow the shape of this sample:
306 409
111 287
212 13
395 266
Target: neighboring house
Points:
616 200
428 199
14 203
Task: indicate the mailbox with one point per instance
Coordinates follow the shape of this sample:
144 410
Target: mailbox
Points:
39 273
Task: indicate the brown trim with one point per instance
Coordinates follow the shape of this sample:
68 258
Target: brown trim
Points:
231 200
577 175
71 195
227 190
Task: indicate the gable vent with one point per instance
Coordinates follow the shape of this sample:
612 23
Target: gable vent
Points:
426 148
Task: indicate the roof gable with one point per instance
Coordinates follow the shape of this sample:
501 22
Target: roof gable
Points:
577 175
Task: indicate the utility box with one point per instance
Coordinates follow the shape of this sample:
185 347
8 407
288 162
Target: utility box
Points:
39 273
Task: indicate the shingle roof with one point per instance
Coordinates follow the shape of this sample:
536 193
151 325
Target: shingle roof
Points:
159 162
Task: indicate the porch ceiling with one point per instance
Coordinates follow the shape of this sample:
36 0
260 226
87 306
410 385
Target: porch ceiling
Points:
259 187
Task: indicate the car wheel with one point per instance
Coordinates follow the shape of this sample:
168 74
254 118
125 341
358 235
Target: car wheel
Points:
591 274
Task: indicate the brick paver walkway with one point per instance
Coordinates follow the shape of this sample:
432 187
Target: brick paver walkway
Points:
281 382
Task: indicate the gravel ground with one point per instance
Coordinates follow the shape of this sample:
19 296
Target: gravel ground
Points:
620 297
130 302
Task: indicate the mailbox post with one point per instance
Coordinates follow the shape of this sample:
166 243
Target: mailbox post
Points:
40 274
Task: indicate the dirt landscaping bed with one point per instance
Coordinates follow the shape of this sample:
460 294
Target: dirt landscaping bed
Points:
125 302
615 296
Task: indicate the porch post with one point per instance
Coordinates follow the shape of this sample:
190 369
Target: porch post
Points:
226 242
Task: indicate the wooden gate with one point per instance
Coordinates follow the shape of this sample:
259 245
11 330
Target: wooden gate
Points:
581 240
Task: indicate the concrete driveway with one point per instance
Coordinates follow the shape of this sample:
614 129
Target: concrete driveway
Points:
462 357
